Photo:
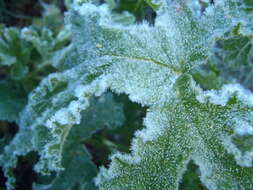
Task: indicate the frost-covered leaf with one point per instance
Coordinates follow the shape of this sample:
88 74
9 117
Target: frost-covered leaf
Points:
175 52
25 57
14 52
124 17
233 56
78 168
24 52
236 48
151 64
53 109
45 42
179 132
146 65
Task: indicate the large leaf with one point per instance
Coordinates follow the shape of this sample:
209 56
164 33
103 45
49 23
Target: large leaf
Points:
151 65
182 130
162 151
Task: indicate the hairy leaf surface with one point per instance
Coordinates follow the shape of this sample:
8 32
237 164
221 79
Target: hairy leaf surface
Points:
151 64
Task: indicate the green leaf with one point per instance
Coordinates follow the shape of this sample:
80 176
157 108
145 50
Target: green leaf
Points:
178 132
12 48
22 67
236 49
78 169
155 4
191 179
233 56
12 101
53 109
176 123
151 64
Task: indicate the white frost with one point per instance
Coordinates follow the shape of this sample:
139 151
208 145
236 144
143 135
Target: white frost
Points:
221 97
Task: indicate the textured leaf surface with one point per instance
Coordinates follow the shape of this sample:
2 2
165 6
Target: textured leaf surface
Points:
151 64
179 132
14 52
233 56
53 110
25 57
78 168
176 123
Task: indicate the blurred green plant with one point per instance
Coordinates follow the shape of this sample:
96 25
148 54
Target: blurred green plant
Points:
26 57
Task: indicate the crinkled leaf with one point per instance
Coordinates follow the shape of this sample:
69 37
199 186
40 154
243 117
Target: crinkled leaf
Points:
179 132
233 56
173 124
78 169
13 50
150 64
